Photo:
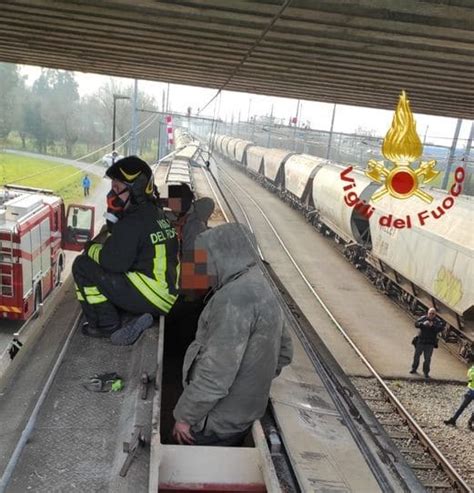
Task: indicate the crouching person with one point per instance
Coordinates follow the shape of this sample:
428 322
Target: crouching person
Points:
135 270
241 344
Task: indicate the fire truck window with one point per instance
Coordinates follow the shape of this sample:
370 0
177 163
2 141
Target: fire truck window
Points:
80 219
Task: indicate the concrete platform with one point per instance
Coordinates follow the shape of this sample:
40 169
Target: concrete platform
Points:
380 328
323 454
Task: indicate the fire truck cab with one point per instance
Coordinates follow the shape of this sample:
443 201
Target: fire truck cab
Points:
34 232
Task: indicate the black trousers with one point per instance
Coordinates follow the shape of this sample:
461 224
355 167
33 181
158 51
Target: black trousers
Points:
427 351
468 398
103 295
181 323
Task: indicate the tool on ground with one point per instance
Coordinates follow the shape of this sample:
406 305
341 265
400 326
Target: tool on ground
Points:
145 379
131 448
105 382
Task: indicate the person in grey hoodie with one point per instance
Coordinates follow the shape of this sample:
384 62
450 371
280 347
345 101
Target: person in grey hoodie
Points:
242 343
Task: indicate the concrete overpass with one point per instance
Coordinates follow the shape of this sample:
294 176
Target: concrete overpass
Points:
359 52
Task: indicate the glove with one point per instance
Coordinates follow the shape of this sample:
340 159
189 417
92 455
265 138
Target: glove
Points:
104 382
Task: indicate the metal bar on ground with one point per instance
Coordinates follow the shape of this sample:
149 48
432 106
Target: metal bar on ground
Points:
155 438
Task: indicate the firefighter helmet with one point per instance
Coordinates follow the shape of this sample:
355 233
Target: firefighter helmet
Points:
136 174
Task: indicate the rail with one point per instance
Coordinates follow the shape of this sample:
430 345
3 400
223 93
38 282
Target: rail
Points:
456 480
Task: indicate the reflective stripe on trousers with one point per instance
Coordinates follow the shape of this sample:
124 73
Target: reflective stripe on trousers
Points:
156 291
91 295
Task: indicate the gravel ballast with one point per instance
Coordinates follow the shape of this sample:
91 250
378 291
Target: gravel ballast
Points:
430 403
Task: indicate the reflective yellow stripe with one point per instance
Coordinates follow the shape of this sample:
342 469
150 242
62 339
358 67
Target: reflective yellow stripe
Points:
159 265
94 252
154 291
9 309
78 293
95 299
91 290
470 375
92 293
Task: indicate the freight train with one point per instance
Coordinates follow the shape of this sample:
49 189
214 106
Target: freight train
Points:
421 255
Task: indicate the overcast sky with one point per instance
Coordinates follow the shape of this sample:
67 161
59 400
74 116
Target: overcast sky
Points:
348 118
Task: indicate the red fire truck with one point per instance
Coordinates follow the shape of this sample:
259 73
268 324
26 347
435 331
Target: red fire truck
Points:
34 232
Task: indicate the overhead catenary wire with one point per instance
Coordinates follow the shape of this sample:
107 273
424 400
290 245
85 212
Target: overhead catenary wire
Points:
93 164
255 44
152 117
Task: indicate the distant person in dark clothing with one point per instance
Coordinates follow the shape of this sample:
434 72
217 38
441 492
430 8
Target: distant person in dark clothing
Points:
427 339
86 184
468 398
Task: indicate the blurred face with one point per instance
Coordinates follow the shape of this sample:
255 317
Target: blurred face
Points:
197 275
175 204
118 197
431 313
120 189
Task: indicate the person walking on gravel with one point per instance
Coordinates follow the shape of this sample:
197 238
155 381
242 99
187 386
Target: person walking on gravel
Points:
468 398
426 341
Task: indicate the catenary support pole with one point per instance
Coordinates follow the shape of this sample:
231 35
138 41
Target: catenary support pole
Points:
452 152
331 131
133 141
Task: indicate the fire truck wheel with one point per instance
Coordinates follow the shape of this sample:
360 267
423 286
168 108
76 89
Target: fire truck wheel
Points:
58 273
38 299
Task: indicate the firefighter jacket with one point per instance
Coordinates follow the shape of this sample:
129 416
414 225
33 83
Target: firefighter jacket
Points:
470 378
143 246
241 343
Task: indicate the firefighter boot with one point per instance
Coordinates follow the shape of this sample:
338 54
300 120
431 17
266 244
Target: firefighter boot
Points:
130 332
450 421
470 423
101 332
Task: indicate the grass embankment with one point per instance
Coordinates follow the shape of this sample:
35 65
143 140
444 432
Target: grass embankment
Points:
63 180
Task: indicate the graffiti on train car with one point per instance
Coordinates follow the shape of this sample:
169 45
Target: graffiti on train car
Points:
448 287
402 147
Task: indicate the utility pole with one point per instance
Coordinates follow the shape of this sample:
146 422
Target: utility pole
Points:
133 140
114 118
269 139
331 130
467 151
426 133
248 111
296 124
444 185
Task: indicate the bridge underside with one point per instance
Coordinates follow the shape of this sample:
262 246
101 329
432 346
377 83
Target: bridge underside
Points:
359 52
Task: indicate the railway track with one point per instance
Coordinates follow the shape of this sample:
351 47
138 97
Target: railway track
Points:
429 464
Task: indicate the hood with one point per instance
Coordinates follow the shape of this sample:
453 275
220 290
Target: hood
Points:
230 251
203 208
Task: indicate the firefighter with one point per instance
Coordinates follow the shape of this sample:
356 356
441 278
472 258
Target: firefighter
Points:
136 268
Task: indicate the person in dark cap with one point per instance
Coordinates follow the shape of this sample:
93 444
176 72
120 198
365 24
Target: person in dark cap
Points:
135 270
190 218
